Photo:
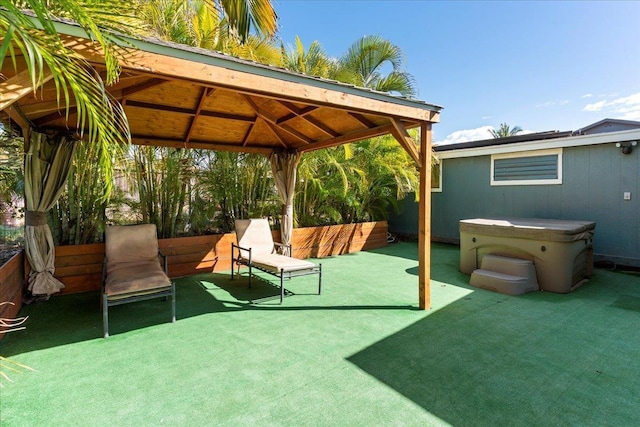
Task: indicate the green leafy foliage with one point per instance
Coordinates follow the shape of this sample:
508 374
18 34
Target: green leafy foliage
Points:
505 130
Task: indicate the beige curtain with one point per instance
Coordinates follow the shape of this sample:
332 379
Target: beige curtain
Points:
284 167
47 166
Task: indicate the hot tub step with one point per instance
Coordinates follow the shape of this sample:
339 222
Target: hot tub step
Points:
503 283
508 265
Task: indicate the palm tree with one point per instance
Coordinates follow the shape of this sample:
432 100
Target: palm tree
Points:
505 130
36 39
11 173
313 61
209 23
364 62
360 181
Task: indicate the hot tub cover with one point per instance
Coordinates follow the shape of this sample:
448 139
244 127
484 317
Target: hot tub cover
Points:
553 230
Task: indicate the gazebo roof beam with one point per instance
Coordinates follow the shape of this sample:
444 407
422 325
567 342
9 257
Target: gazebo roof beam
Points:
299 111
349 137
316 123
269 118
190 112
19 86
205 93
178 143
400 133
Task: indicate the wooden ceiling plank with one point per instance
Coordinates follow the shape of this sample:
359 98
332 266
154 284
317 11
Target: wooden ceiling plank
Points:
151 83
192 125
219 115
363 120
19 86
400 133
44 107
321 126
187 111
159 107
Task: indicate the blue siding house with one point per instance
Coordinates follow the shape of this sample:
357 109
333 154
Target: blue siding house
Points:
590 174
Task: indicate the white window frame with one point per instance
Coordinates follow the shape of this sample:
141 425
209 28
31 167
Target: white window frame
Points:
556 181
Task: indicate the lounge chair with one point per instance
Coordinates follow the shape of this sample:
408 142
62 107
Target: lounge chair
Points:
256 249
132 271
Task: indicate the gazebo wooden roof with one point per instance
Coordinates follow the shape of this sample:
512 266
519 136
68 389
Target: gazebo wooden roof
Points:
179 96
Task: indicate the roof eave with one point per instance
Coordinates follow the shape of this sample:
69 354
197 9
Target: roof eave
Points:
244 66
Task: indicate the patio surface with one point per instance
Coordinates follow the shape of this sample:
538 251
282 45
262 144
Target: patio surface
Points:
361 354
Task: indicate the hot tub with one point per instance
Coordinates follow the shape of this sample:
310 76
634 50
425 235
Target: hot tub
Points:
561 250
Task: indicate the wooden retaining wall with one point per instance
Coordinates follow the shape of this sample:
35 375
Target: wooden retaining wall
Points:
11 282
79 267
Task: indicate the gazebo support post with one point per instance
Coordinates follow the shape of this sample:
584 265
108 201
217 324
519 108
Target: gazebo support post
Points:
424 219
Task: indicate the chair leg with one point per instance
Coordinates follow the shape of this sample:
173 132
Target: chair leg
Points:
173 302
281 285
105 316
320 279
250 275
232 268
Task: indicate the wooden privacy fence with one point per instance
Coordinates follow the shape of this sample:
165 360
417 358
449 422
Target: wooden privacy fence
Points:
79 267
11 280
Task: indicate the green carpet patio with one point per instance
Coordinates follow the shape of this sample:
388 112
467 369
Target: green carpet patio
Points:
361 354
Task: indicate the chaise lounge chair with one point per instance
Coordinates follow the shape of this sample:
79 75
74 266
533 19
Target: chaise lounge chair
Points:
256 249
131 270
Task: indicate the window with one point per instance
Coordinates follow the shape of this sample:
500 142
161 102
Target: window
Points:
542 167
436 177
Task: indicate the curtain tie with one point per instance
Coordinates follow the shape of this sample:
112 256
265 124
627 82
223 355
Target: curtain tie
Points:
35 218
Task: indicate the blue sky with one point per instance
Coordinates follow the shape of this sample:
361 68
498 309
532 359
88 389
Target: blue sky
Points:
539 65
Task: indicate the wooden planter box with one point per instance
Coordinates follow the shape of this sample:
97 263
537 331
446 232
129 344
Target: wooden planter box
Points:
11 283
79 267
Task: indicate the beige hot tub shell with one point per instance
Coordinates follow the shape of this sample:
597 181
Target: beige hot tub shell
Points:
561 250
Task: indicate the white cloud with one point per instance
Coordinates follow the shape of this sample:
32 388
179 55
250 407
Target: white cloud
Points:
476 134
625 108
552 103
466 135
596 106
587 95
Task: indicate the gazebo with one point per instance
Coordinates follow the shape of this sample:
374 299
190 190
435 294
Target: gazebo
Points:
180 96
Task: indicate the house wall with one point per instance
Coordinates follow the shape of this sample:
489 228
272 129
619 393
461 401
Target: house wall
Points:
594 180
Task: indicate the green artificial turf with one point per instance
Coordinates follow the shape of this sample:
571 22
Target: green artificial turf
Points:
361 354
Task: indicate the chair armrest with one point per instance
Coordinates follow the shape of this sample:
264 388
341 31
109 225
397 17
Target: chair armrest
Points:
283 249
163 261
240 248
